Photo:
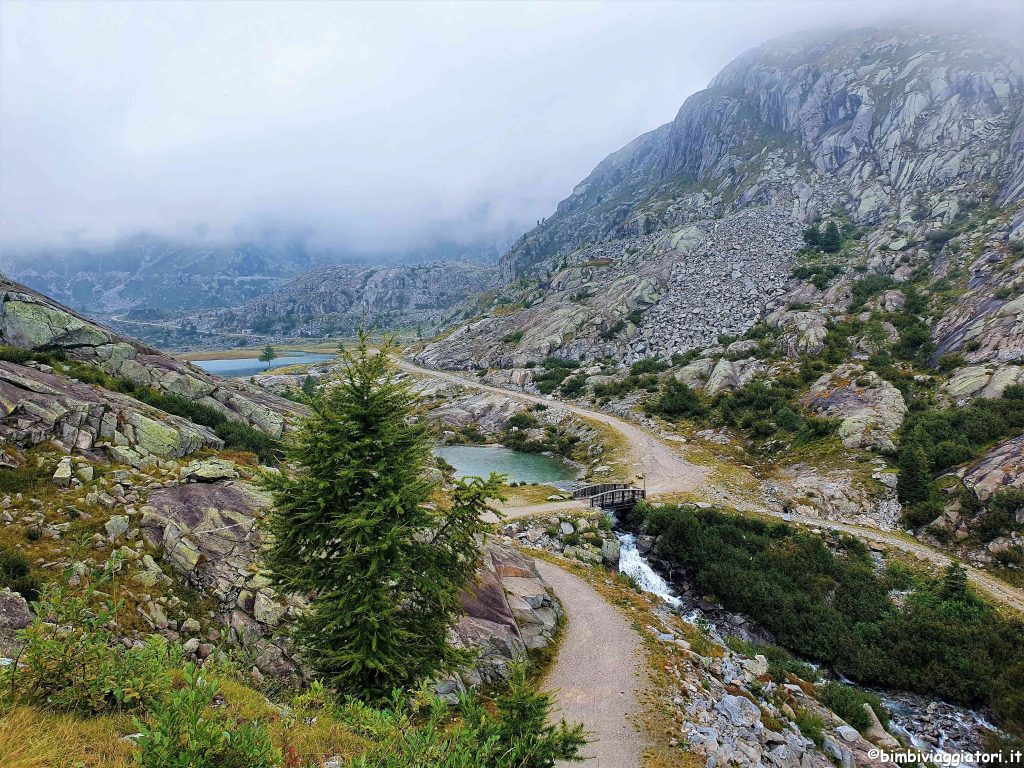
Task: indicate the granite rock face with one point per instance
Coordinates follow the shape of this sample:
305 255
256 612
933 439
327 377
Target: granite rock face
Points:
980 381
867 117
987 324
508 611
1002 467
31 321
871 409
689 232
37 407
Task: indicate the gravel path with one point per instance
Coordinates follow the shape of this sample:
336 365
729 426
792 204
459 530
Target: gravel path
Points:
597 672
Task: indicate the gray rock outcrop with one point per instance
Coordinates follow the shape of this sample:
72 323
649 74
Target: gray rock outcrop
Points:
31 321
870 408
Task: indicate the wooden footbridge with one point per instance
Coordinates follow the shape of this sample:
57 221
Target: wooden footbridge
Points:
613 497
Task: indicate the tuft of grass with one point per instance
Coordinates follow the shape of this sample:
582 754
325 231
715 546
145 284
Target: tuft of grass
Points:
36 738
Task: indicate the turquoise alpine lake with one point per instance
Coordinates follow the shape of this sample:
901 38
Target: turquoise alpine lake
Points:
250 366
517 466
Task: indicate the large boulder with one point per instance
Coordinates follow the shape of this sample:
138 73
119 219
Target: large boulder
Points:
507 611
870 408
733 374
981 381
1002 467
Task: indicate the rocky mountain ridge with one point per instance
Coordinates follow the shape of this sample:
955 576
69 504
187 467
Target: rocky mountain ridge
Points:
333 300
869 119
693 230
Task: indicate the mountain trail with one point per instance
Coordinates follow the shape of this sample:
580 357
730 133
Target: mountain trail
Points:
598 672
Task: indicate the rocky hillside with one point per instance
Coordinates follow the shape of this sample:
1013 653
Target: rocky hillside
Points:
333 300
870 119
898 136
815 271
66 379
112 449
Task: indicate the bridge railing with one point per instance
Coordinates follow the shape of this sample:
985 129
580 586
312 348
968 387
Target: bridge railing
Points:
617 498
593 490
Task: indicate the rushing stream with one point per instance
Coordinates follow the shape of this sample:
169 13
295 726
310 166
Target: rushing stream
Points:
928 725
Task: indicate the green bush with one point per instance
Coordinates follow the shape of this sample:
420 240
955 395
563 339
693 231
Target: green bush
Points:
1001 516
811 726
648 365
70 660
819 275
830 604
522 420
933 440
513 731
16 573
868 286
555 371
186 730
676 401
573 386
849 703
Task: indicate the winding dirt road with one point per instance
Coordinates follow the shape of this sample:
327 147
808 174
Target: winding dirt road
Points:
597 673
667 471
663 467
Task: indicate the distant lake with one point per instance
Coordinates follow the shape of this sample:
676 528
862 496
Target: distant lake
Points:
519 467
250 366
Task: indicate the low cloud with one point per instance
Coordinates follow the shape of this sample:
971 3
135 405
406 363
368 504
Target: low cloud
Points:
375 128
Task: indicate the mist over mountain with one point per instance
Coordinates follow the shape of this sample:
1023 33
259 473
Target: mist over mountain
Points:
168 275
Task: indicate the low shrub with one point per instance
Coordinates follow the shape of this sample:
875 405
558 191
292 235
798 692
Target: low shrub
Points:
69 658
648 365
848 703
16 574
185 730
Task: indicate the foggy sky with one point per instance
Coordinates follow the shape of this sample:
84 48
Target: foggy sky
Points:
376 127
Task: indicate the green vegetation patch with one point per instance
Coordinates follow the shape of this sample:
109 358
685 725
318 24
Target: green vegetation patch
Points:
554 370
830 604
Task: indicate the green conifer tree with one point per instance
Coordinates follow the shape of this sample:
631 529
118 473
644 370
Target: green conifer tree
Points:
954 583
812 235
267 355
353 531
913 483
831 240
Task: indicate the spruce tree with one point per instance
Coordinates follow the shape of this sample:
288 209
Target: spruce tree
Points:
954 583
914 481
354 530
831 240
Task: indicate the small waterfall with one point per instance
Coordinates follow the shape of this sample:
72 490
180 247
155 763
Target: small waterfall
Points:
636 567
